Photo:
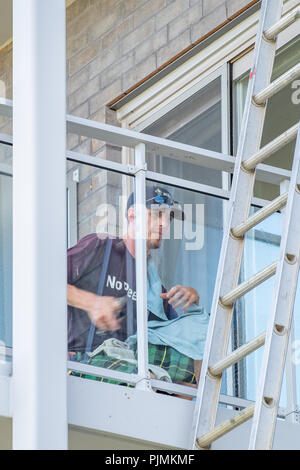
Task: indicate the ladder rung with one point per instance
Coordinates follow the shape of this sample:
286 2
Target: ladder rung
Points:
282 24
237 355
240 230
277 85
206 440
271 148
228 299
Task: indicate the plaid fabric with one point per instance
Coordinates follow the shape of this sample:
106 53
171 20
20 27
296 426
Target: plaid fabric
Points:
179 367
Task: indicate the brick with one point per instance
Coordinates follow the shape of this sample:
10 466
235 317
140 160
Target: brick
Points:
131 5
148 10
105 96
104 7
208 23
2 88
184 22
113 154
109 116
93 183
110 39
97 145
75 9
210 5
77 80
84 147
82 111
173 48
85 228
88 207
103 23
81 59
116 70
126 26
151 45
170 12
72 141
137 36
139 72
75 44
81 22
105 59
233 6
84 93
85 171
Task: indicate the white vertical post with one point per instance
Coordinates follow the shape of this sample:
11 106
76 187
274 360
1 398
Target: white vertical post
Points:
39 226
141 266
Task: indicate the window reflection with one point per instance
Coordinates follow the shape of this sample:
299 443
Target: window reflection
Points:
184 231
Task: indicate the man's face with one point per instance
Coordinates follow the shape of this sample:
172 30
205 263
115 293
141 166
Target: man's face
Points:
157 226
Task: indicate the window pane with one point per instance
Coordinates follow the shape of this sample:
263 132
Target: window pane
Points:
187 258
101 270
5 254
282 113
197 121
253 310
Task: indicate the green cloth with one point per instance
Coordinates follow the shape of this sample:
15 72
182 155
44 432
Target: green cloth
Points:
179 367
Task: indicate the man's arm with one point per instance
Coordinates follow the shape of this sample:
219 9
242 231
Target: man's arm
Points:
181 294
100 309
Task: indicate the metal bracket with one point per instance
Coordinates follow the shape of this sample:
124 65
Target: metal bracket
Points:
133 169
75 175
144 384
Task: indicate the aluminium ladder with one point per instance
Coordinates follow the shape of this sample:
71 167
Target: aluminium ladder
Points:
227 290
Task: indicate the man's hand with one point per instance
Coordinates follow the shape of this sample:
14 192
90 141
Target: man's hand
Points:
181 294
101 310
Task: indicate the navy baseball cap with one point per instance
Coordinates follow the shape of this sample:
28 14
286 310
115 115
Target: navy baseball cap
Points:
159 198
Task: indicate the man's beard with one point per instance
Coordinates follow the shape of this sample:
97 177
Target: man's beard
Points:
154 243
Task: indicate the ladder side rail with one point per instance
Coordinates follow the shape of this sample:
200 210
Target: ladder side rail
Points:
231 251
269 387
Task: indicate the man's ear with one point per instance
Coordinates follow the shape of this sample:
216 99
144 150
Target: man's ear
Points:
130 214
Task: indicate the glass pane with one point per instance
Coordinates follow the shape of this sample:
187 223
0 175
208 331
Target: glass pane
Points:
185 262
262 244
197 121
252 311
5 257
5 157
282 113
101 271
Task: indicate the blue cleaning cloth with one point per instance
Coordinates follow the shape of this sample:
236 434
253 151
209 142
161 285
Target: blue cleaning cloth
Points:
186 333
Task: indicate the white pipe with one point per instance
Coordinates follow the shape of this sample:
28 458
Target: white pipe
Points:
39 227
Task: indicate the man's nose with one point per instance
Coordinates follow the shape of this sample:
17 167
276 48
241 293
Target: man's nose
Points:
165 220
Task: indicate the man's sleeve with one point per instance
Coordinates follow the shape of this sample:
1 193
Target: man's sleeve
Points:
81 256
169 310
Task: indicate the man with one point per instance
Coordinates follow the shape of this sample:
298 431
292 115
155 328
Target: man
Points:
90 260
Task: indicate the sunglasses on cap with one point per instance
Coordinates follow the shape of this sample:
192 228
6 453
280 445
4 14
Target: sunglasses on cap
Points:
162 197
